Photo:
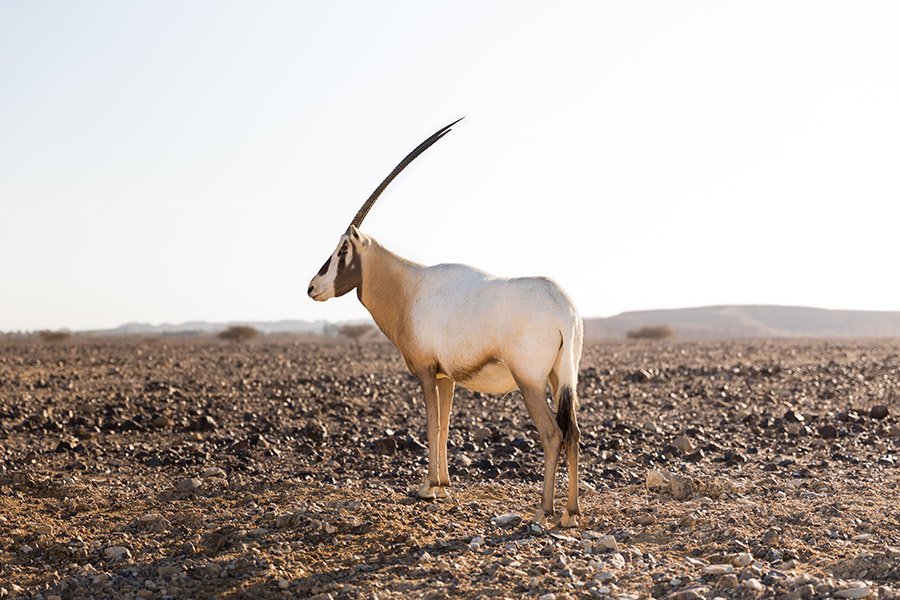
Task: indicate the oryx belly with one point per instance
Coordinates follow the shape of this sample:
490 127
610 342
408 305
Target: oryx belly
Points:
493 378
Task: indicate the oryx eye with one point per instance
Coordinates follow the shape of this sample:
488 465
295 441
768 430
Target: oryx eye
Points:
343 251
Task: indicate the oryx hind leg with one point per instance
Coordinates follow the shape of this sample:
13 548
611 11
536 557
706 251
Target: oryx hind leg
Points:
536 402
573 509
568 421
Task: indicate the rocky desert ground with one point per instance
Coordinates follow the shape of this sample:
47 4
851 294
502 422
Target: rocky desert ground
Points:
286 468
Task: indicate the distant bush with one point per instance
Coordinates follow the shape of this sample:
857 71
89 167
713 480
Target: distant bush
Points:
651 332
54 336
355 332
239 333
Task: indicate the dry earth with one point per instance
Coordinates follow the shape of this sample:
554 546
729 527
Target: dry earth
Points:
275 469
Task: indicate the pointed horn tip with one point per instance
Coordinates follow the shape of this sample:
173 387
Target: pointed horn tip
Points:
367 205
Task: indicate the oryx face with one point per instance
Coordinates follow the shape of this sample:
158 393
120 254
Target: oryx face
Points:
341 272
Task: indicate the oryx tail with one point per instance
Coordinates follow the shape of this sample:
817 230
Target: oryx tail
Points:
567 371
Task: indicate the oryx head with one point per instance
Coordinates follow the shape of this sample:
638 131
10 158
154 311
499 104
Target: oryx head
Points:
343 270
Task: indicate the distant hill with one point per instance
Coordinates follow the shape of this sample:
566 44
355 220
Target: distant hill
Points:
708 322
307 327
750 321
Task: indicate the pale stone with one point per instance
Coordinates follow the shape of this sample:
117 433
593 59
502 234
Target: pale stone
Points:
117 553
718 569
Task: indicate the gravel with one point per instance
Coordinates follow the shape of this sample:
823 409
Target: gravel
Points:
285 468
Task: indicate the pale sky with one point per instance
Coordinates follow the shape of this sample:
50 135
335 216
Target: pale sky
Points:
172 161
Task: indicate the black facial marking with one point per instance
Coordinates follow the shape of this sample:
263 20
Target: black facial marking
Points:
324 268
348 276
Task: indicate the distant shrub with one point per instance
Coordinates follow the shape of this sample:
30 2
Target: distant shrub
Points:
651 332
355 332
54 336
239 333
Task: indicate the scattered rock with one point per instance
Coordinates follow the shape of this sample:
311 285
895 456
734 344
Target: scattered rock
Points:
189 486
681 487
657 479
616 561
161 422
204 423
116 553
645 519
385 445
828 432
482 435
67 445
720 569
149 517
507 520
728 581
607 543
753 584
651 427
684 444
154 522
742 559
792 416
695 456
414 445
315 431
854 589
168 570
215 541
879 411
698 593
213 472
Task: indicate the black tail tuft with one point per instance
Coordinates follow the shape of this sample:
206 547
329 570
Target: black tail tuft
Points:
566 419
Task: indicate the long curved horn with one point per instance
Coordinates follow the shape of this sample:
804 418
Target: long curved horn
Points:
361 214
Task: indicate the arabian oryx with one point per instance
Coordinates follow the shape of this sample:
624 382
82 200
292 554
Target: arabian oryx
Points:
456 324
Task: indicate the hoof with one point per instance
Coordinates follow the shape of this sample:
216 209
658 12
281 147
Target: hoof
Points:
540 518
568 520
430 492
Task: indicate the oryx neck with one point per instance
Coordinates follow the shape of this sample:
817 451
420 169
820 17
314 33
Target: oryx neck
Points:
387 289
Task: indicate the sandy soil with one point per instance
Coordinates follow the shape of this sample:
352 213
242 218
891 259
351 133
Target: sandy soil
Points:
274 469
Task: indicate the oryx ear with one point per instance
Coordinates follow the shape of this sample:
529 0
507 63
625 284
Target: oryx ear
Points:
357 237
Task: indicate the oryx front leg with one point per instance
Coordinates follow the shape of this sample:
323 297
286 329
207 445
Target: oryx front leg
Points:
539 410
445 405
430 488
